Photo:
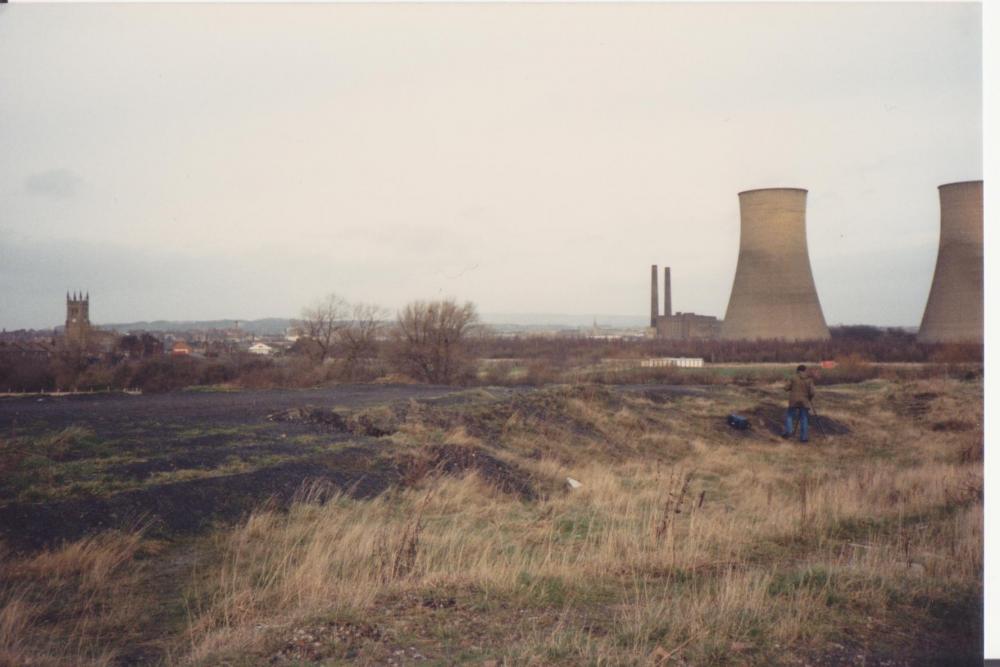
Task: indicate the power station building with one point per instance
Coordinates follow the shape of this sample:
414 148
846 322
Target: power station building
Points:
773 296
677 326
954 311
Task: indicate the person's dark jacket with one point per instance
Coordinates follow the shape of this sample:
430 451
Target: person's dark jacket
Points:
800 391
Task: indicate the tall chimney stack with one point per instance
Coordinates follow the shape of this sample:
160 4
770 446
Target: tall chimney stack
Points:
654 304
667 306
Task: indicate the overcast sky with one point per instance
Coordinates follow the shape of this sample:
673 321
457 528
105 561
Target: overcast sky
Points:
239 161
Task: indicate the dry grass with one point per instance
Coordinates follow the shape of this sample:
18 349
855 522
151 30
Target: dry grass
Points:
686 544
68 605
680 569
722 553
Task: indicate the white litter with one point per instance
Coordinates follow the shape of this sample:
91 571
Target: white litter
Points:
573 484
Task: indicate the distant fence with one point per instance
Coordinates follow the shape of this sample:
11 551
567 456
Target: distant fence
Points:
72 392
654 362
682 362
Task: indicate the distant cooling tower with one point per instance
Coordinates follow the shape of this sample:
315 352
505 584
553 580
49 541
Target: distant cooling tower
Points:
954 310
773 292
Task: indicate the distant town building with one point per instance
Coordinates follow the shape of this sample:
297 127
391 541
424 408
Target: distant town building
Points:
598 332
140 345
220 348
36 350
262 349
77 318
180 348
80 333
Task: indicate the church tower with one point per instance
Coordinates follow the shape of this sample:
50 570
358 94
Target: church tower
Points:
77 318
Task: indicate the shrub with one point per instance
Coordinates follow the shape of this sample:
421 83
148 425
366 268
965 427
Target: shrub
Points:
849 368
542 372
26 375
161 374
429 341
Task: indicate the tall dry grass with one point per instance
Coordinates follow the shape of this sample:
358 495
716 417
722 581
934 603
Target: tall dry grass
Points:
684 543
70 605
698 567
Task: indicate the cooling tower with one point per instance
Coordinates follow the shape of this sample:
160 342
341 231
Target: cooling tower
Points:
773 292
954 310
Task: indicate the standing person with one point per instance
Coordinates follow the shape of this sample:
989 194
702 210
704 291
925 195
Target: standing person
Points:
800 394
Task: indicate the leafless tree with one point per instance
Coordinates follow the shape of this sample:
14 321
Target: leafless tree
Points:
322 322
357 339
429 337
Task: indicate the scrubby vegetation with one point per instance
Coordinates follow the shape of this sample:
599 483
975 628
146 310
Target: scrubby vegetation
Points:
571 361
442 342
687 543
868 343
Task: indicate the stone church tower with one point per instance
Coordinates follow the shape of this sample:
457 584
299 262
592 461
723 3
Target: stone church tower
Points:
77 318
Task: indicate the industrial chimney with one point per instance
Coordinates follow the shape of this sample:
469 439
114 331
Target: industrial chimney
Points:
654 306
773 292
666 292
954 311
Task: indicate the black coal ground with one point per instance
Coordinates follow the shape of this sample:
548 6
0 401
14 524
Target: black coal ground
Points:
202 431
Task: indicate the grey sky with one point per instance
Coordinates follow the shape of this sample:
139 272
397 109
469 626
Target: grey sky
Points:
195 162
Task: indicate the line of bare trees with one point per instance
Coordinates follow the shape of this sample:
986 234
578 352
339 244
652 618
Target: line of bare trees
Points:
440 342
426 342
339 341
332 327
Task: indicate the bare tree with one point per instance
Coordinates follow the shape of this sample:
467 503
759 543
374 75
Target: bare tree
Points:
428 340
357 339
322 322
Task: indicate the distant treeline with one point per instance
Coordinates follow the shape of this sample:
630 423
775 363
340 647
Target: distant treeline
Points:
867 343
418 351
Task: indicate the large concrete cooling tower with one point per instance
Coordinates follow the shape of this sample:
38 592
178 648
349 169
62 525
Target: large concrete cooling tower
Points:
954 310
773 293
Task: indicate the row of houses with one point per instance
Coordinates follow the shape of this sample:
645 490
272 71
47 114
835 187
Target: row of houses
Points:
181 348
27 349
130 346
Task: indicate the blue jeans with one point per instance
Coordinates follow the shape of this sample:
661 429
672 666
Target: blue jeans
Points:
802 414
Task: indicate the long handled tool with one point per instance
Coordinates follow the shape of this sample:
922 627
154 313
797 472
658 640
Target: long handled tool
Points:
819 424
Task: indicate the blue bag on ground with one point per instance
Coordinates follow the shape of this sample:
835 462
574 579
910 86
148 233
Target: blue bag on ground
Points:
738 422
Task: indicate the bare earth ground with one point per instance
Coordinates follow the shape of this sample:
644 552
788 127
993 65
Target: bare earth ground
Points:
436 526
143 448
